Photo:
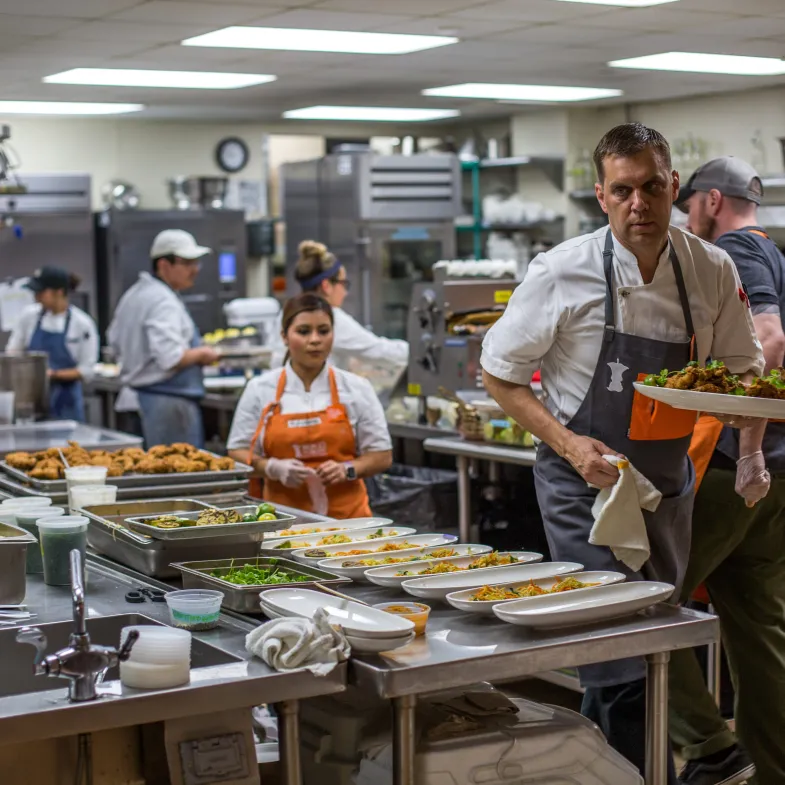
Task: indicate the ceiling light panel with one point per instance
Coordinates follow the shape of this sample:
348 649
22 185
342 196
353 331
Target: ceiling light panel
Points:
704 63
65 108
522 92
370 114
304 40
131 77
622 3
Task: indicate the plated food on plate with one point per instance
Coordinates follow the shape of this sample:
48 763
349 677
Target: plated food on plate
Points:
713 378
388 547
490 593
493 559
162 459
337 539
438 553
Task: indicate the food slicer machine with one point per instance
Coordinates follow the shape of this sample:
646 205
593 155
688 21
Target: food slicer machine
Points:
448 319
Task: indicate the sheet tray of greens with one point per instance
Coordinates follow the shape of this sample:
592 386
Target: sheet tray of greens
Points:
213 522
232 576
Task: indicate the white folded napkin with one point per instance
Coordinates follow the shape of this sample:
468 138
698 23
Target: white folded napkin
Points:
618 520
294 643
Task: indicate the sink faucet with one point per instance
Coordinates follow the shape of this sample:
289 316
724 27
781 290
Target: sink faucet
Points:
81 662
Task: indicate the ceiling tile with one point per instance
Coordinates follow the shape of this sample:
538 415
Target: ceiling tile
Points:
753 7
657 18
133 31
61 46
13 25
172 11
531 11
749 27
175 56
465 29
314 19
78 9
424 7
559 34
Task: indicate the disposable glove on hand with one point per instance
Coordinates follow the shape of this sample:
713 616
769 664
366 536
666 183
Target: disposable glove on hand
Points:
288 471
752 478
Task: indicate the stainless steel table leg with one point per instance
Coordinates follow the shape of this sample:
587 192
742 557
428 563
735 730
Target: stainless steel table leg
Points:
464 499
657 751
714 666
403 739
289 742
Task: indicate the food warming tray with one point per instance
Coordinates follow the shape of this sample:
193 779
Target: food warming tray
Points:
106 533
245 599
254 529
240 471
34 437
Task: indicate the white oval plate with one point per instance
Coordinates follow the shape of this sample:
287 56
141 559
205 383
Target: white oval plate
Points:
330 527
378 645
437 587
388 576
462 600
417 540
360 621
715 403
311 540
602 603
360 573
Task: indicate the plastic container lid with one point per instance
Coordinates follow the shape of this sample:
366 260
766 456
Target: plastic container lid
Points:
159 645
30 515
26 501
63 524
84 474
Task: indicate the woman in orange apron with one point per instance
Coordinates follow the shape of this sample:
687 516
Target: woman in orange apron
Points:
317 430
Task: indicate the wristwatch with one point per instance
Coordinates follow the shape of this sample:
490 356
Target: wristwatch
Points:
351 472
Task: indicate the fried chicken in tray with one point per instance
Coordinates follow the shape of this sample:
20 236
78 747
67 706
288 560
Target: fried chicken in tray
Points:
179 458
713 378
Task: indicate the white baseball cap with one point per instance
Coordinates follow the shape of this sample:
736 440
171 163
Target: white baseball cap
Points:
177 243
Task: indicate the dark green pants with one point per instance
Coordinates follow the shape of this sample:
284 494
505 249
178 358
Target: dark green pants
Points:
740 555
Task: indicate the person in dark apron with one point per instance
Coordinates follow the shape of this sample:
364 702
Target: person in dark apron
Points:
554 315
68 348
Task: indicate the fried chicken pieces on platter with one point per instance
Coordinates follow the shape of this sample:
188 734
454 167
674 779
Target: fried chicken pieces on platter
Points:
176 458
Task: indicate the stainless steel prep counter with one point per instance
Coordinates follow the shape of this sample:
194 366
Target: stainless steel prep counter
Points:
245 682
466 451
461 649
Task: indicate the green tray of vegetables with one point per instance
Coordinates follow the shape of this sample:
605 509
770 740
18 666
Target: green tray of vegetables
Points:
241 580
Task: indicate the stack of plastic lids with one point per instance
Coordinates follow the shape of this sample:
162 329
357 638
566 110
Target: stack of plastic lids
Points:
160 658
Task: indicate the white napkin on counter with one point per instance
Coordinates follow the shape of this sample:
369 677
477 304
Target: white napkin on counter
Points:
293 643
618 519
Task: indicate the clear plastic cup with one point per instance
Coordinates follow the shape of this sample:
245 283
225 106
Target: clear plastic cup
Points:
85 495
58 537
7 407
84 475
26 517
195 609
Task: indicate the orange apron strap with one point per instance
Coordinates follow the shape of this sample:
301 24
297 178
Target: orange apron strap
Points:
265 414
333 387
704 441
759 233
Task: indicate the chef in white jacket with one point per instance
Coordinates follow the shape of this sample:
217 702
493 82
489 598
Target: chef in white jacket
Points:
158 344
320 272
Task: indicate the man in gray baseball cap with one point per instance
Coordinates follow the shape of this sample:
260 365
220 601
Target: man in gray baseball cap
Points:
737 549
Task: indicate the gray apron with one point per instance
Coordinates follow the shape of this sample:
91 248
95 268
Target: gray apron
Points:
566 500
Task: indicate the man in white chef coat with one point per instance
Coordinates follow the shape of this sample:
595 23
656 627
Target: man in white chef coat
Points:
158 344
593 314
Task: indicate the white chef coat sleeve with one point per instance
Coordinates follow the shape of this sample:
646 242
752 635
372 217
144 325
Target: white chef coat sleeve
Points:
735 341
246 416
514 347
86 349
20 336
352 339
165 338
372 433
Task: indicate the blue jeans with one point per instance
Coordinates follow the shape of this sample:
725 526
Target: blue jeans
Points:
620 712
169 418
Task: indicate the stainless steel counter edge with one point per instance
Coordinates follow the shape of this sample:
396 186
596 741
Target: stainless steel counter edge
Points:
245 683
665 628
484 451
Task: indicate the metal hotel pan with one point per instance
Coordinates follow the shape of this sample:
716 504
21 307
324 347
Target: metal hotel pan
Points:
245 599
253 529
107 534
239 473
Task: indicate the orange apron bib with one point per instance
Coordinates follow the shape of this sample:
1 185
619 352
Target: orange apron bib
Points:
313 438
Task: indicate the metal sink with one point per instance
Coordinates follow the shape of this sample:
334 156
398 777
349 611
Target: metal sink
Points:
16 674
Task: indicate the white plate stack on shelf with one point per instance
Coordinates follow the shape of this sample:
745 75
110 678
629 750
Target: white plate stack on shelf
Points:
368 630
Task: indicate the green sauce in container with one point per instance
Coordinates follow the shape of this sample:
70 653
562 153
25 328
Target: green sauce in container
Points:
58 537
26 518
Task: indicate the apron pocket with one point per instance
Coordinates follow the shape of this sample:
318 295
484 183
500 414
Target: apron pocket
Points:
652 420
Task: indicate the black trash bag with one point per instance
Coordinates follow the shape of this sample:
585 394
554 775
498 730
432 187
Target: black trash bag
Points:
416 496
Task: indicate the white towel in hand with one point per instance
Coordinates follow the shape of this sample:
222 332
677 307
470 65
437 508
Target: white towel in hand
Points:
292 643
618 520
